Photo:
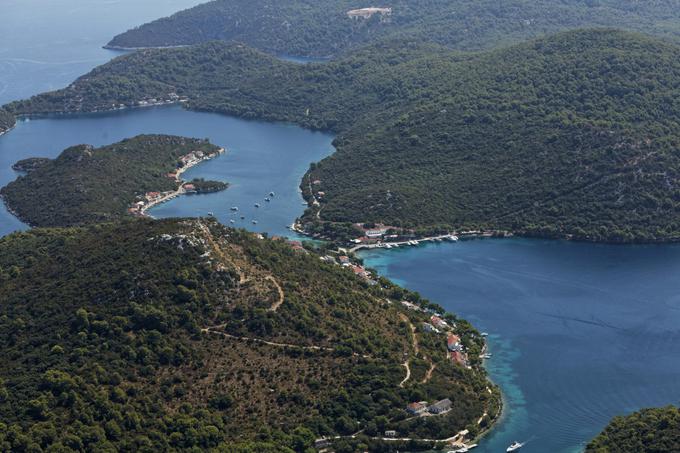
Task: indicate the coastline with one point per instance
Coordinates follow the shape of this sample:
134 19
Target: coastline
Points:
132 49
178 178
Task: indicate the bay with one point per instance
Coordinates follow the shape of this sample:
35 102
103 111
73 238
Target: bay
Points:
579 332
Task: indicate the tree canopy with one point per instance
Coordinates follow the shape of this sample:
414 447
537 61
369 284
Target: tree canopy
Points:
570 135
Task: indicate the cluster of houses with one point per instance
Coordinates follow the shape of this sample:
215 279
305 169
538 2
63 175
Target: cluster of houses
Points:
297 246
171 98
455 349
346 262
185 162
375 234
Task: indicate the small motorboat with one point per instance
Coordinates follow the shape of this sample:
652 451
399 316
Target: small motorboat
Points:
254 222
234 208
232 221
267 199
211 214
515 446
484 334
257 205
271 194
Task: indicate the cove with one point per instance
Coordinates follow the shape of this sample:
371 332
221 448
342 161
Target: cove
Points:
579 332
260 158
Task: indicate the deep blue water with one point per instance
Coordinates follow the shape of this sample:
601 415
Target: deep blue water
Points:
579 332
46 44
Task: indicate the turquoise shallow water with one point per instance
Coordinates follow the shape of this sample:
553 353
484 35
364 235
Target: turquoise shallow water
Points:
579 332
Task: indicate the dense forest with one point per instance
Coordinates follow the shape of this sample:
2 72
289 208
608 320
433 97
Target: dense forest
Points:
323 27
571 135
7 121
186 335
646 431
86 184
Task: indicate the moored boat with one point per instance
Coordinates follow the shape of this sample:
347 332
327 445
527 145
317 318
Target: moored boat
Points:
515 446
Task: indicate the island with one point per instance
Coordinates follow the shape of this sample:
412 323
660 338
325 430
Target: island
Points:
183 334
7 121
88 185
645 431
330 27
431 141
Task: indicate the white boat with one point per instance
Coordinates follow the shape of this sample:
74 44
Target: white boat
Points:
484 334
515 446
257 205
254 222
271 194
267 199
211 214
234 208
453 238
243 217
232 221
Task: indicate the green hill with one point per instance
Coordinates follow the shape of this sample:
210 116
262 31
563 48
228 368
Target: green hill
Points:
570 135
183 335
323 27
646 431
88 185
7 121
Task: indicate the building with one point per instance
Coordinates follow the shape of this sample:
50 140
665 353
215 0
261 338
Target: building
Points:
440 406
417 408
150 196
367 13
391 434
411 305
453 342
344 259
322 443
375 232
427 327
438 322
189 187
459 357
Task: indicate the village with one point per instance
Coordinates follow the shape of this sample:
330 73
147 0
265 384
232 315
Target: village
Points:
151 199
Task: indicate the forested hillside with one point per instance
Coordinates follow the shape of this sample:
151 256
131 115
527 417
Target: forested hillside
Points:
7 121
323 27
184 335
87 185
646 431
571 135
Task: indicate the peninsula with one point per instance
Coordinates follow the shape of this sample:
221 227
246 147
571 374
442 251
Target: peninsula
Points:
512 140
88 185
183 334
331 27
645 431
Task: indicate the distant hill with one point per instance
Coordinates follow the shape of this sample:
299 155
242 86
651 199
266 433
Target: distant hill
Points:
646 431
324 27
7 121
570 135
181 335
88 185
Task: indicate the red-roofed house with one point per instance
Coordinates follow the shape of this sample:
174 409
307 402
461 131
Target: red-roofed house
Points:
459 357
453 342
417 408
438 322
